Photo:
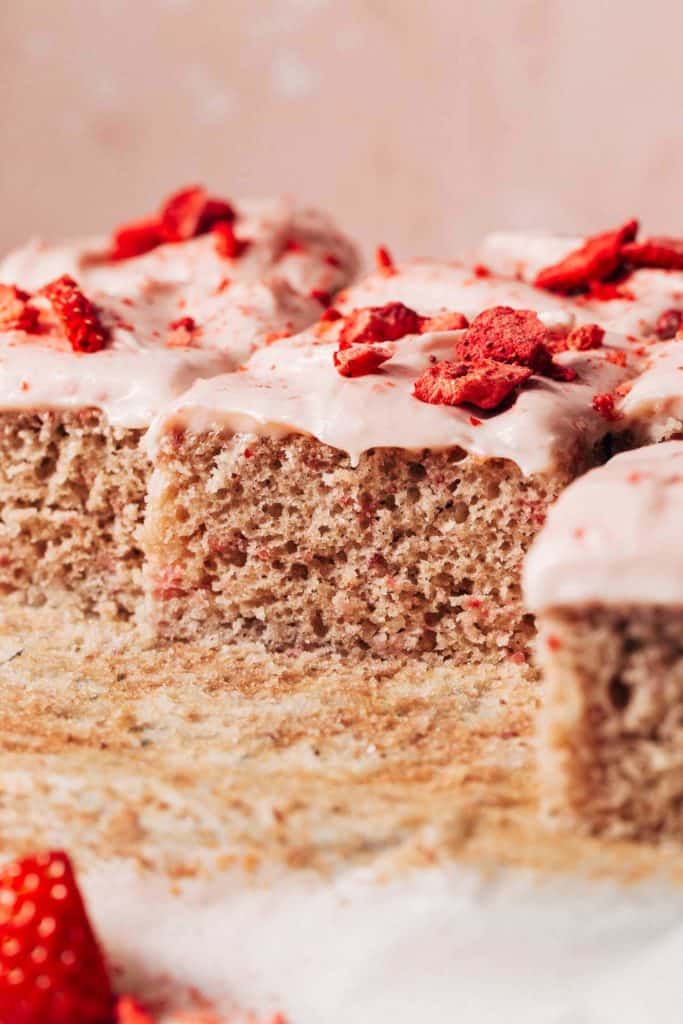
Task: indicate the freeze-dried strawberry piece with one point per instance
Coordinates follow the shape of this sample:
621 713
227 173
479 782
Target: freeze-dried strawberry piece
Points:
16 312
597 259
605 405
661 253
136 238
507 336
485 384
191 212
444 322
76 314
359 360
181 332
321 296
52 970
384 261
228 245
379 323
585 338
669 324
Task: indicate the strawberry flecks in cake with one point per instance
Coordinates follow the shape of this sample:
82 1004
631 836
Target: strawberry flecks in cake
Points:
669 324
617 356
595 261
485 384
605 404
553 642
16 311
228 245
659 253
384 261
444 322
76 314
358 360
52 970
379 323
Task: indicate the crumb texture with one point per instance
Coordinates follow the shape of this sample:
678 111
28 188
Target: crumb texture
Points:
285 542
611 726
72 494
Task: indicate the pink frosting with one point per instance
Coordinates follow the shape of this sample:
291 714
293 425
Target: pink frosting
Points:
236 304
521 254
294 387
614 536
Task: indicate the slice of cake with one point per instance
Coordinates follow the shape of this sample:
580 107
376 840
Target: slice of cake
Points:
605 579
371 485
97 337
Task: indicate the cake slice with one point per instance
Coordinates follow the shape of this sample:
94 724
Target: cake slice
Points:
96 337
605 579
370 485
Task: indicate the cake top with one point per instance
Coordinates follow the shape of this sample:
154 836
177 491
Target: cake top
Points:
189 292
614 536
387 377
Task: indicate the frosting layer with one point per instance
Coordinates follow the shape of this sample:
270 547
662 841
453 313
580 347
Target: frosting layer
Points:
614 536
237 305
293 387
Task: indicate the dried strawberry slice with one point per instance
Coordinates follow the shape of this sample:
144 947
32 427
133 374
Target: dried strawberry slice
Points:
444 322
136 238
76 314
661 253
379 323
182 213
597 259
485 384
359 360
669 324
16 312
507 336
384 261
228 245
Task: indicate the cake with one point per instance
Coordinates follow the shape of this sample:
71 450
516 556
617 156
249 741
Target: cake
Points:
604 579
319 499
265 654
97 336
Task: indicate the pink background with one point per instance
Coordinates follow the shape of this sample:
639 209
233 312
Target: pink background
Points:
419 123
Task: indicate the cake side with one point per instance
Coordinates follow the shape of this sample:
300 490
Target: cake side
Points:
605 581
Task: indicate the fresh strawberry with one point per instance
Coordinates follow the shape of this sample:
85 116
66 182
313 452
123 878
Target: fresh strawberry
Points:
485 384
51 967
76 314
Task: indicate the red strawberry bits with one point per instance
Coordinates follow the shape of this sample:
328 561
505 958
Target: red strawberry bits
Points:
662 253
508 336
358 360
184 215
16 312
76 315
596 260
51 967
485 384
379 323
